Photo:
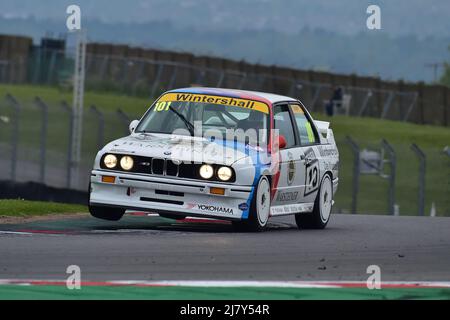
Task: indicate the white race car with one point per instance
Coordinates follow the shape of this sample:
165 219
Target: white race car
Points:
220 153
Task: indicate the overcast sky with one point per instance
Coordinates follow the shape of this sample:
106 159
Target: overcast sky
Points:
399 17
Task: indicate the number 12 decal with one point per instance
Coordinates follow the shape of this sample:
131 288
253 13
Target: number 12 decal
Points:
312 172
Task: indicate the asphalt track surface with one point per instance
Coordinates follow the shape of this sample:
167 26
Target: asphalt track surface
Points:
153 248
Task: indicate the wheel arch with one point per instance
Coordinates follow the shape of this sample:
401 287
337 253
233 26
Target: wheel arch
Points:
328 172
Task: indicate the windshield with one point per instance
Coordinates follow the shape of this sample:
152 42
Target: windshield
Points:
223 118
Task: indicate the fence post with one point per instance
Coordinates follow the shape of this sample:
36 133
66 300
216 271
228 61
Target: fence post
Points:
173 78
411 107
156 81
125 120
422 167
44 109
220 81
387 104
316 97
15 134
104 67
101 126
365 103
50 74
241 83
69 111
138 76
393 165
200 77
356 169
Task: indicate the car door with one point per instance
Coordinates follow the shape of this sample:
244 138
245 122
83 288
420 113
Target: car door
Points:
309 142
289 183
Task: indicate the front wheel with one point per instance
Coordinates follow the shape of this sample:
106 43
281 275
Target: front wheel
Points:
320 216
259 209
106 213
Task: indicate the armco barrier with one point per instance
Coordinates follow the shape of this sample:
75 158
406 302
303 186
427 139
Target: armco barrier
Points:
40 192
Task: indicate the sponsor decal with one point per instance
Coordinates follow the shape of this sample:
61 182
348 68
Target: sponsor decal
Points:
214 209
204 98
328 152
291 169
291 172
291 208
287 196
243 206
312 172
297 109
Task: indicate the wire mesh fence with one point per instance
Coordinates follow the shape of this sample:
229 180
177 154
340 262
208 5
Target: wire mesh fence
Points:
145 77
35 142
413 182
35 139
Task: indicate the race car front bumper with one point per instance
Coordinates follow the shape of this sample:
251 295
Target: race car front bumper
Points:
169 195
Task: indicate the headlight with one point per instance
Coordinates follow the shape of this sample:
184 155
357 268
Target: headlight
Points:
126 163
206 171
110 161
224 173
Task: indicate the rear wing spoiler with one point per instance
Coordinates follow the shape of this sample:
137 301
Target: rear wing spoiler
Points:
325 132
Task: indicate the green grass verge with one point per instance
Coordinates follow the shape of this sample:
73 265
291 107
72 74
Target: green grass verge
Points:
53 96
45 292
368 132
23 208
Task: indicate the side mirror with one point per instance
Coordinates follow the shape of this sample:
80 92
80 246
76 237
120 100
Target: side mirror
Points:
281 142
133 125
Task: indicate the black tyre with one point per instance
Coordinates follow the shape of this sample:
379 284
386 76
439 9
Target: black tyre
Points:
259 209
106 213
319 217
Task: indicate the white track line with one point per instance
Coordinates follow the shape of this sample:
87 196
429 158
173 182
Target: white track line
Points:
254 284
16 232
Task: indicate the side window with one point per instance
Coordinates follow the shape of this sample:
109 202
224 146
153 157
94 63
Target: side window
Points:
282 122
305 129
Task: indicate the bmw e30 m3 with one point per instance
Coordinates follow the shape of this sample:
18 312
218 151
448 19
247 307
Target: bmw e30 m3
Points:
226 154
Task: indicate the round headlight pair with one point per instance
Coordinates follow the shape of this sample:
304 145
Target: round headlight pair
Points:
207 171
126 162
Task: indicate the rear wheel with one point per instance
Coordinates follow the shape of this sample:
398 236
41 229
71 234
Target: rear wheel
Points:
259 209
106 213
320 216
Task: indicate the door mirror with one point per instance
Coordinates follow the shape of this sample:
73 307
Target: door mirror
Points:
133 125
281 142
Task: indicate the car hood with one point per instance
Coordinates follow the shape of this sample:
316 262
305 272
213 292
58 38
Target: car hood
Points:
181 148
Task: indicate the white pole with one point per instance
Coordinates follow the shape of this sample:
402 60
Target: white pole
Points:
78 96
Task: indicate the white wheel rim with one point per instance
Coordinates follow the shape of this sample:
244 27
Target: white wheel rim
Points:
263 201
326 199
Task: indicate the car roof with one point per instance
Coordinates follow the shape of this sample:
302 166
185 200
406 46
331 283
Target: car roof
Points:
268 98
